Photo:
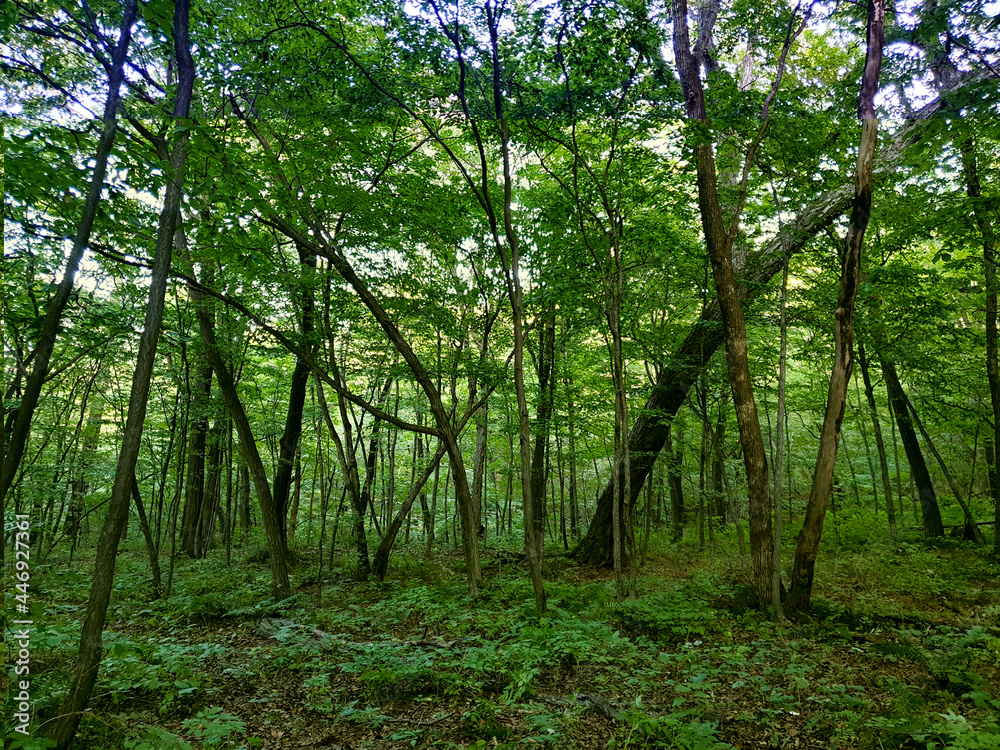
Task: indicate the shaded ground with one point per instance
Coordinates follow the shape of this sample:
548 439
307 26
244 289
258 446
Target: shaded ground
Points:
904 647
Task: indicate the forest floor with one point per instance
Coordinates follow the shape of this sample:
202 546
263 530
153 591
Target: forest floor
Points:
902 650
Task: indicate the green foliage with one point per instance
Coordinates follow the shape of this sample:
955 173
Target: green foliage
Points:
676 731
215 727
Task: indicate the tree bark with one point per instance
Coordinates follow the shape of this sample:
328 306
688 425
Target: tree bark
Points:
543 418
719 242
675 460
289 442
442 419
479 464
807 548
50 327
933 527
280 586
879 440
971 530
380 563
649 430
91 638
970 170
194 486
154 555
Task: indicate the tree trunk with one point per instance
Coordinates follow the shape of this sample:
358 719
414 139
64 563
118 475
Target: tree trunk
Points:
879 440
154 556
675 459
50 327
649 430
779 440
347 456
194 488
79 486
479 465
543 418
442 418
248 446
970 169
933 527
89 655
971 531
244 497
850 278
380 563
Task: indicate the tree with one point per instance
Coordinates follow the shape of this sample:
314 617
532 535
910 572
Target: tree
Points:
13 449
90 651
985 224
850 278
680 371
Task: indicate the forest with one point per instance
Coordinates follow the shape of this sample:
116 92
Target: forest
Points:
552 373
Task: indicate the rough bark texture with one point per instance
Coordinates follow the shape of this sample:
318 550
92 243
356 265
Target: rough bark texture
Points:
918 468
50 327
91 638
840 377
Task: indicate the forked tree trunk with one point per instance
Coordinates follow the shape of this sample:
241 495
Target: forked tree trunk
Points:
850 278
91 638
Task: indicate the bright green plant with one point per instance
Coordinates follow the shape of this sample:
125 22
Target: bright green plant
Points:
215 727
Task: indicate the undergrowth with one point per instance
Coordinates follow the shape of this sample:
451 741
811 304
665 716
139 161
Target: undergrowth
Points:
417 663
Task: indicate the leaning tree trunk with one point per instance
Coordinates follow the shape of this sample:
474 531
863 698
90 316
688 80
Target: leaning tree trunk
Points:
850 278
879 440
979 207
147 535
280 587
380 563
89 656
933 526
971 531
650 428
50 327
